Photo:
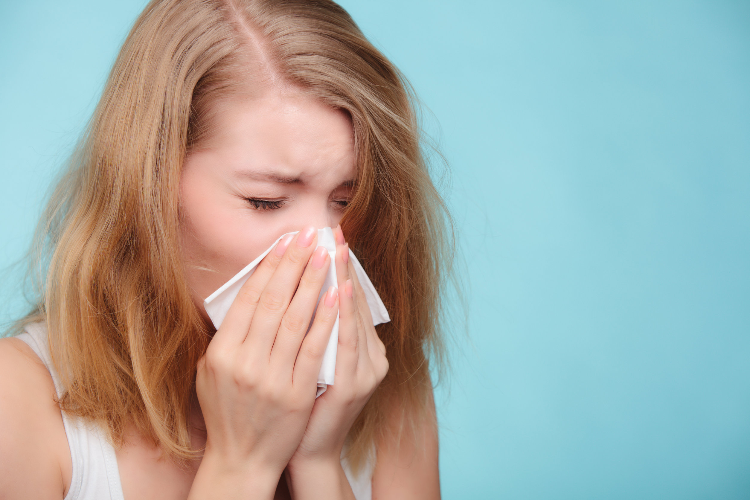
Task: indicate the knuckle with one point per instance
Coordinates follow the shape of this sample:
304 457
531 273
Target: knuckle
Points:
279 394
215 360
325 314
266 392
271 260
293 322
345 393
329 317
296 256
312 351
246 378
371 380
273 300
309 280
381 344
249 295
349 342
383 367
349 396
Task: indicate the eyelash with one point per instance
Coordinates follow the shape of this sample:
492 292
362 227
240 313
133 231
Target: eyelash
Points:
262 205
259 204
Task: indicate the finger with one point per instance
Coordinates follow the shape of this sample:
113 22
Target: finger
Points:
373 341
338 234
363 350
348 353
297 319
236 324
310 355
375 347
363 307
277 294
341 262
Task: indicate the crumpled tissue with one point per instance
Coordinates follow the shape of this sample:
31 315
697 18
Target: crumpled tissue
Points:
218 303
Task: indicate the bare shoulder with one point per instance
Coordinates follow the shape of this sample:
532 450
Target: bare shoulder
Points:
32 442
407 461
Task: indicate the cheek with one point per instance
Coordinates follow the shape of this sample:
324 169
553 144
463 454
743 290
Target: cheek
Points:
218 235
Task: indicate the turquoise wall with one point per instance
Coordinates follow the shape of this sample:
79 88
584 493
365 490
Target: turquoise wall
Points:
600 157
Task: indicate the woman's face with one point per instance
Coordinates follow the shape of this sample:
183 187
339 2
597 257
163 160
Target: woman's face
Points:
272 164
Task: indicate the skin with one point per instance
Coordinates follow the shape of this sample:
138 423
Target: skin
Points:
265 434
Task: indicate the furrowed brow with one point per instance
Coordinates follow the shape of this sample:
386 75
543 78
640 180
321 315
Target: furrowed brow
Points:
269 177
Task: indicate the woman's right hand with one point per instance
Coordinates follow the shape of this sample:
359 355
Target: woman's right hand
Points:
256 383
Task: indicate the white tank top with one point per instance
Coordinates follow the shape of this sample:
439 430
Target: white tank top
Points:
95 474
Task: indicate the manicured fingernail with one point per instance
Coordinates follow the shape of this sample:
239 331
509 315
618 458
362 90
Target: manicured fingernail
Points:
349 288
339 235
319 257
345 255
283 244
331 296
306 237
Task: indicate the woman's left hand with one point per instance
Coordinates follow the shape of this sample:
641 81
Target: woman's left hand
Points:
361 365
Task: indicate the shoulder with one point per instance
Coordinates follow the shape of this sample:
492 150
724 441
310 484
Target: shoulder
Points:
407 457
32 440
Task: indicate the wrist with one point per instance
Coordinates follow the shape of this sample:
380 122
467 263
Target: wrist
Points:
218 477
320 478
311 465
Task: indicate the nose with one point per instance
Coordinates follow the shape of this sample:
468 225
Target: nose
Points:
318 215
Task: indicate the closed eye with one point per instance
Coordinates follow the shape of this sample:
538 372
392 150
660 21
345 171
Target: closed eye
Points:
259 204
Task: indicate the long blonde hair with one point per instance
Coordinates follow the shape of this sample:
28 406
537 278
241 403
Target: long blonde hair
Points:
125 336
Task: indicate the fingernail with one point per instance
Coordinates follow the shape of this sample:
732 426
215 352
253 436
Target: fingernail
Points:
283 244
345 255
349 288
306 237
319 257
340 235
331 296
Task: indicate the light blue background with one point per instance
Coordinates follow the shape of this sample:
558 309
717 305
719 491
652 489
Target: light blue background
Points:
601 181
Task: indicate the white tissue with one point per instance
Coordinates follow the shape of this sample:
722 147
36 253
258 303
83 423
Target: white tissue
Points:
217 304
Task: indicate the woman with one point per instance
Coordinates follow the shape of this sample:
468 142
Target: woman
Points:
225 124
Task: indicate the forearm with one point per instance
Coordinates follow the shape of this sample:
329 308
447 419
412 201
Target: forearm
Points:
319 481
217 480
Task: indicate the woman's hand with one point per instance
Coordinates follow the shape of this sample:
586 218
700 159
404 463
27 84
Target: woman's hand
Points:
256 383
360 367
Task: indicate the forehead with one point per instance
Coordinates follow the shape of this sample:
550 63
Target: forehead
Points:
282 131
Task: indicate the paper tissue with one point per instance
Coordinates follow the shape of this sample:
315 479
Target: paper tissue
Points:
218 303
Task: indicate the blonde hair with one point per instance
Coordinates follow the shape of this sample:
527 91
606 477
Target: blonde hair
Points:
125 336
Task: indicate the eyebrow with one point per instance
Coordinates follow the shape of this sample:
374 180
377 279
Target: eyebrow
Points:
268 176
280 179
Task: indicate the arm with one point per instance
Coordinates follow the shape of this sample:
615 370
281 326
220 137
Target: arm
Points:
322 481
406 467
219 479
33 446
